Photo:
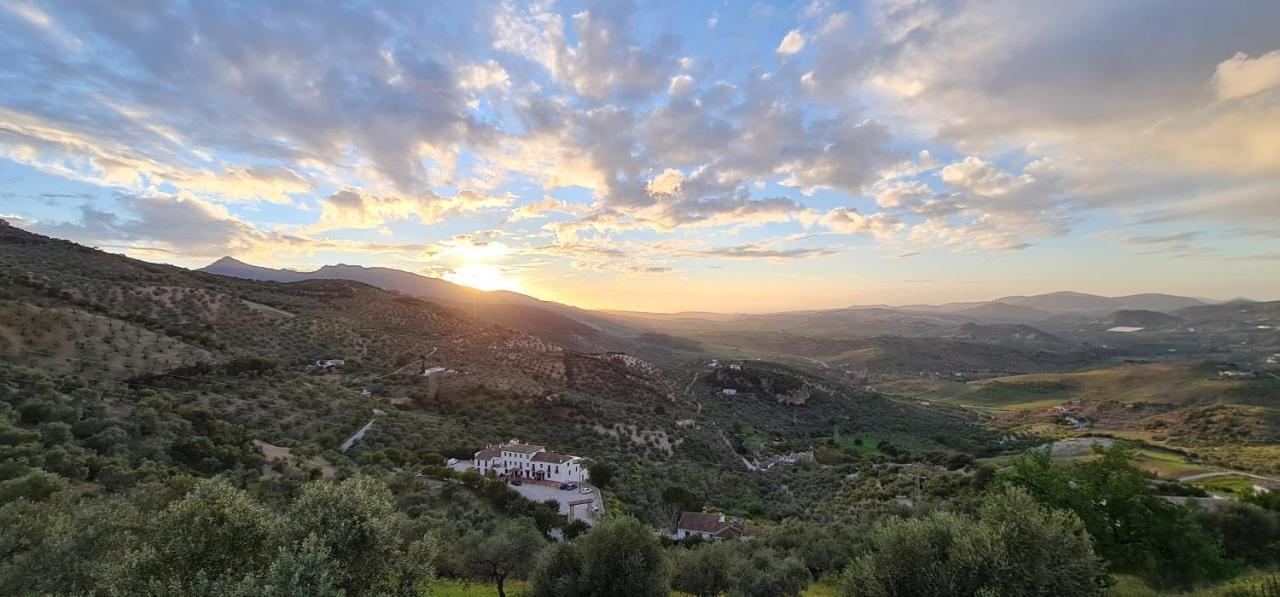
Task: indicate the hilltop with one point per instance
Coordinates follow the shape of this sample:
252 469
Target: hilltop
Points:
167 327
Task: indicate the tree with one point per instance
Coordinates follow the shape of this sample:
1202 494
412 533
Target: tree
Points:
762 572
509 551
737 569
356 523
704 572
558 572
685 499
575 528
617 557
1246 532
216 531
600 473
1137 531
1015 548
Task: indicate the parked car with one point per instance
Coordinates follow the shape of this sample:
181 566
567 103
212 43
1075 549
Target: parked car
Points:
570 485
586 490
517 482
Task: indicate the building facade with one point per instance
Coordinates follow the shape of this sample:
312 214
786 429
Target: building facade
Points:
527 461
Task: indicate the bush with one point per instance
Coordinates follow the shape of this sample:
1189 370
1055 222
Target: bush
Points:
1014 548
618 557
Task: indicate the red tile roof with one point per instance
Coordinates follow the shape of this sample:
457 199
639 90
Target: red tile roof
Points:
703 522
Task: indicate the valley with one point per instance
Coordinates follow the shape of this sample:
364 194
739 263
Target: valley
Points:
120 376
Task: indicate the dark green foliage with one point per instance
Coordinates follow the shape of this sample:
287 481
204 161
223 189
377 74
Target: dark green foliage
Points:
1015 547
617 557
507 552
1137 531
1269 500
1246 532
601 474
342 538
737 569
682 498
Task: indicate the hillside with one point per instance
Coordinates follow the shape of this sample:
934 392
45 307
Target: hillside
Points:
1189 406
582 329
245 349
1061 302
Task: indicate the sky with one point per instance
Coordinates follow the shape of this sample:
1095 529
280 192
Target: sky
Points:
663 156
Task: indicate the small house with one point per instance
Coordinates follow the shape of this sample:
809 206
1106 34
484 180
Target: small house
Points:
709 526
729 392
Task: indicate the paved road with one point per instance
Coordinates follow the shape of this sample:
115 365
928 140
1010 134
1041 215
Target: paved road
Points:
691 382
539 493
357 436
1199 476
751 466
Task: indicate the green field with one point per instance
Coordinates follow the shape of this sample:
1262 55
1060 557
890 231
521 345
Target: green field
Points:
1227 484
868 445
460 588
1166 383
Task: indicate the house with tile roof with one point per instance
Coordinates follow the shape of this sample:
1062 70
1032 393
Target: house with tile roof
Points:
710 526
519 460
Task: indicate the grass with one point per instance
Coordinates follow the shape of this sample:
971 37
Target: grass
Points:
822 588
1244 585
869 445
1166 464
1228 484
462 588
1166 383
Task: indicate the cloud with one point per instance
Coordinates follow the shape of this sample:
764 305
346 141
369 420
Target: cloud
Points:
792 43
847 220
188 226
1242 76
548 205
483 76
1270 256
340 96
1177 238
352 208
761 251
604 63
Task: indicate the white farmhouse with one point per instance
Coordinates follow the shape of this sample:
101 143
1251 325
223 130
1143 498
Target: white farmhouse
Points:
527 461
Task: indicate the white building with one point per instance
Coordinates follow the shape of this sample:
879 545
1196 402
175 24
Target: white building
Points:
729 392
735 367
520 460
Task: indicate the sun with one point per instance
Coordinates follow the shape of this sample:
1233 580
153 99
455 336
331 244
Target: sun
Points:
483 276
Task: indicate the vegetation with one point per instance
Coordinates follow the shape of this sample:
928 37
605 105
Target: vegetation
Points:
165 432
1015 547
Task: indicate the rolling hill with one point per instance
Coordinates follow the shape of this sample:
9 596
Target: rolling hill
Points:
569 325
242 352
1188 406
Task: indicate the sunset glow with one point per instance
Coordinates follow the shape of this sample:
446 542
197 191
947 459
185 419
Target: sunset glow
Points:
483 276
656 156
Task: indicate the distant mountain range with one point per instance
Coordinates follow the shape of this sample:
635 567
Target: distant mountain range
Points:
511 309
878 318
382 277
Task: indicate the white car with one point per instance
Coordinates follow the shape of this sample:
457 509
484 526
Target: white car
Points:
585 490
